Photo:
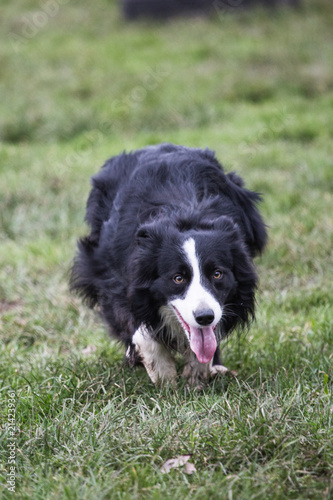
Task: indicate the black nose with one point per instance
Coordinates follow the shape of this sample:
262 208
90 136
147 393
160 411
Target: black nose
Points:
204 317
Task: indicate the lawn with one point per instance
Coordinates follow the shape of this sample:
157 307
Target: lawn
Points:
78 84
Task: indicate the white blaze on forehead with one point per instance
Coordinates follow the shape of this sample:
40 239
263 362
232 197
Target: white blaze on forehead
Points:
189 248
197 296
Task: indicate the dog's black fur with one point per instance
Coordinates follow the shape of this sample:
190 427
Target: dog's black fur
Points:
142 207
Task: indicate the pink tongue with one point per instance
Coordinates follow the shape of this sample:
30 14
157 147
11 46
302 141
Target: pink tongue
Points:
203 343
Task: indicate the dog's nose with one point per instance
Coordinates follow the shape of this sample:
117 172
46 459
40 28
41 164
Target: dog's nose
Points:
205 317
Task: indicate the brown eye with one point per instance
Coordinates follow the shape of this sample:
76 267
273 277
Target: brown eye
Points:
178 279
217 275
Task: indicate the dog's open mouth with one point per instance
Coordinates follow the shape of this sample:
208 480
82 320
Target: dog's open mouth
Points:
202 340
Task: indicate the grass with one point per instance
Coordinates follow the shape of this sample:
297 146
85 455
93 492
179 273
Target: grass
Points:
80 85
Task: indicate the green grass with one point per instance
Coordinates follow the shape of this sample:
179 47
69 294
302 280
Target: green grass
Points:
258 88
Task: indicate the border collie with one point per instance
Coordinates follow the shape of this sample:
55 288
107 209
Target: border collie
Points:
169 258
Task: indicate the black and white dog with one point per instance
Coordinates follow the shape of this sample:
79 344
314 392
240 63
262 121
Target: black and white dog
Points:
168 260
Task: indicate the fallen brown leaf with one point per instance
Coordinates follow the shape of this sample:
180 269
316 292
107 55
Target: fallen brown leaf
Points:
174 463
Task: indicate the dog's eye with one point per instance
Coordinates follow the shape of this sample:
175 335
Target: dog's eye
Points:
217 275
178 279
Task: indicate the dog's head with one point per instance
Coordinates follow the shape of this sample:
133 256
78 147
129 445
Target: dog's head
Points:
203 278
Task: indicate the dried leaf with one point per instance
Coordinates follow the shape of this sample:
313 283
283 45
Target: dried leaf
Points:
190 468
174 463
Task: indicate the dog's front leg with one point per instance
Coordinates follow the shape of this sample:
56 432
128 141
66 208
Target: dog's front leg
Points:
157 360
196 372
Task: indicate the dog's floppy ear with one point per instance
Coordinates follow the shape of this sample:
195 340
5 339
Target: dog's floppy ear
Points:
143 233
144 272
148 234
225 223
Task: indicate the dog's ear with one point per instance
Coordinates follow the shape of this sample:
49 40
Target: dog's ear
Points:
225 223
143 233
148 234
144 272
230 230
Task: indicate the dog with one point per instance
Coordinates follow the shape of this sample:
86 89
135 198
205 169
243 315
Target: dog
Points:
169 258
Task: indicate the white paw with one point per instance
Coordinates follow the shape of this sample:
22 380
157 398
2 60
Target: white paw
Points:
221 370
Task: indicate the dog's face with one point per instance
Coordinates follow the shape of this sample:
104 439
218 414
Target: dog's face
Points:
197 299
204 278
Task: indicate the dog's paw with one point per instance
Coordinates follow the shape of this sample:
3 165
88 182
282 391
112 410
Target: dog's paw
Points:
195 386
221 370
